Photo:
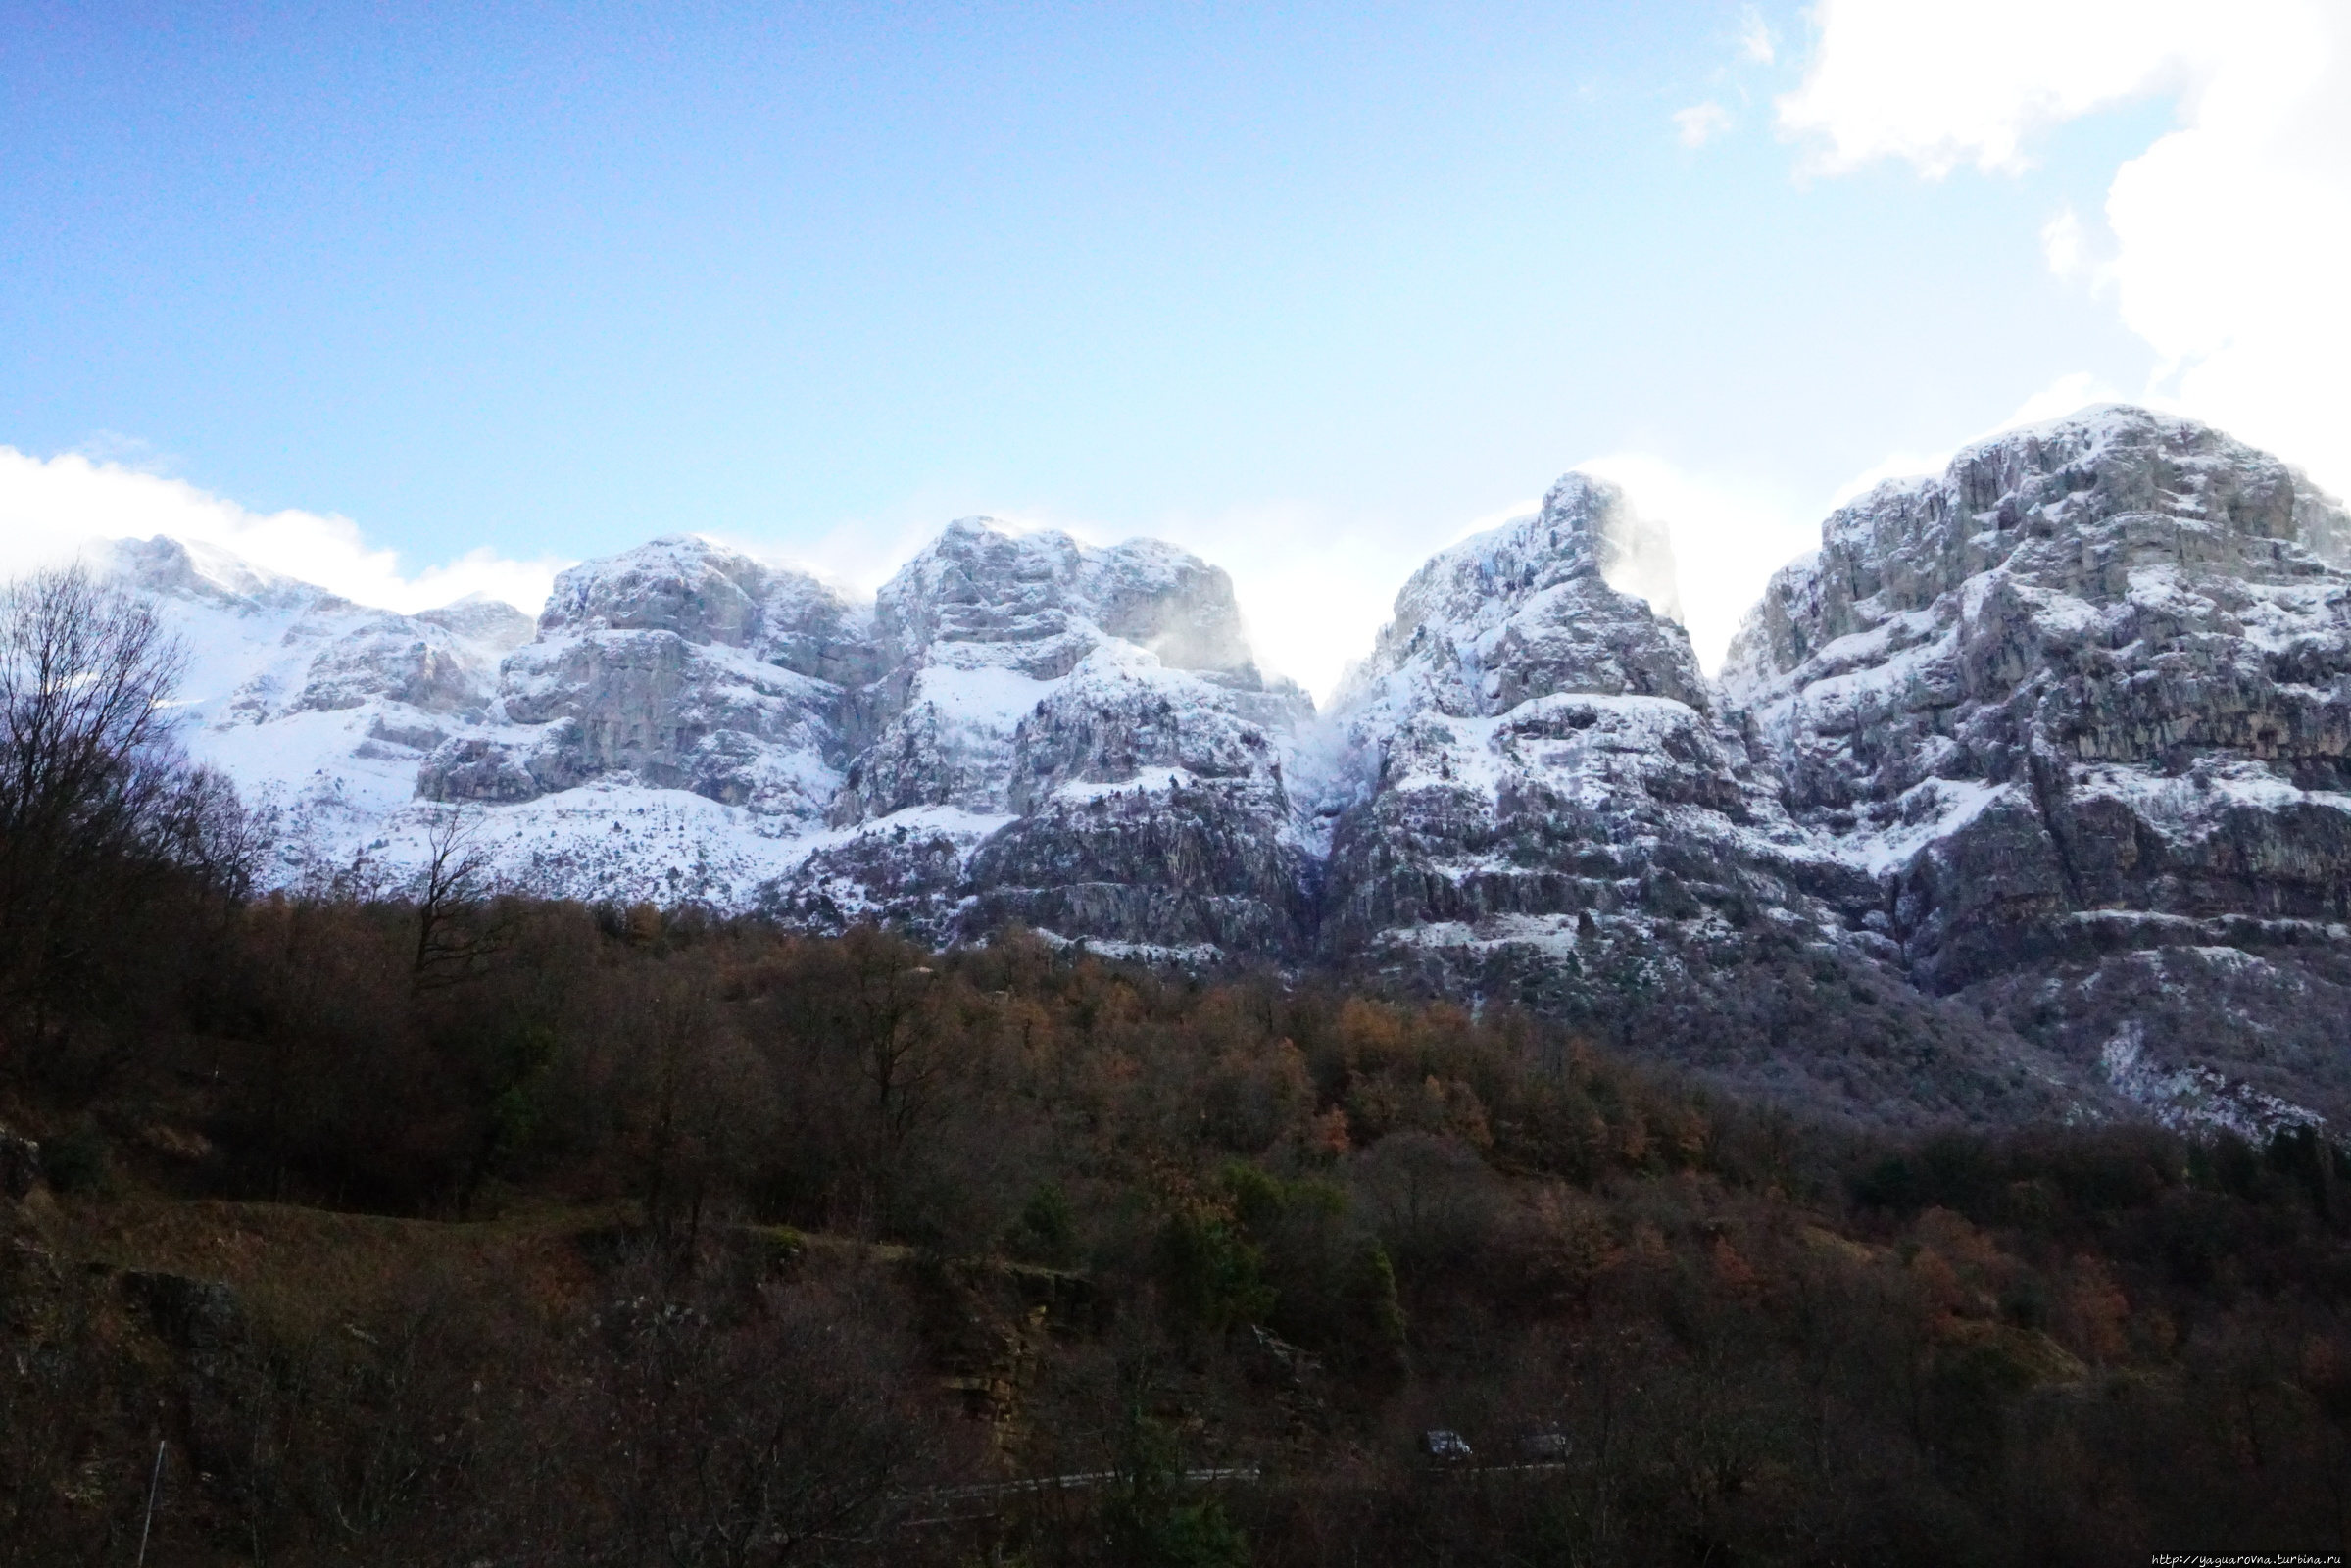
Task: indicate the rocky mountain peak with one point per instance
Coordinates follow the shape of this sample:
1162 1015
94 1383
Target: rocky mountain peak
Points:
195 573
2084 507
1038 603
1008 599
1529 609
2081 704
981 631
702 591
2028 794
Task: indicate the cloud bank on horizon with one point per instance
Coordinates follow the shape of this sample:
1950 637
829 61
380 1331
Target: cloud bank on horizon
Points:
2218 246
52 508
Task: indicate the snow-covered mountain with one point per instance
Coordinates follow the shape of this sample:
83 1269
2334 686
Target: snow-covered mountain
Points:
1073 738
2081 707
2026 795
319 709
1561 809
686 723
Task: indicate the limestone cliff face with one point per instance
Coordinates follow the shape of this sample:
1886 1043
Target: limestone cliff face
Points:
983 625
1530 743
2082 705
680 665
1083 736
1019 727
1530 609
1541 801
1047 600
1151 809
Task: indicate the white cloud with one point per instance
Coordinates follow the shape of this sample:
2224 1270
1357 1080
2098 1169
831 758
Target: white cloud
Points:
1314 589
1700 123
52 507
2065 245
1727 540
2058 399
1755 38
2230 244
1945 82
2223 240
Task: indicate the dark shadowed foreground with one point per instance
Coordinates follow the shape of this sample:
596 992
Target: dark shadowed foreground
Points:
432 1226
560 1235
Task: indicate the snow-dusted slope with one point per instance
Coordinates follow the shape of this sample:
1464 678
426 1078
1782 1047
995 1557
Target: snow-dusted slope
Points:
319 709
686 723
1074 738
1546 804
2082 705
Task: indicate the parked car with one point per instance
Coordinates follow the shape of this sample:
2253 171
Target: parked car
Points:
1440 1442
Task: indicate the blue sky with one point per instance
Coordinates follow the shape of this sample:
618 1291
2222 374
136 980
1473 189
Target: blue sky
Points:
1309 288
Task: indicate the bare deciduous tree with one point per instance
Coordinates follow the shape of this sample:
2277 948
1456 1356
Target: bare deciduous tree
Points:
456 881
97 802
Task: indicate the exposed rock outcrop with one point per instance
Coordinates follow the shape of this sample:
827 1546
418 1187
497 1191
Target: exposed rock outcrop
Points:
2082 706
1151 810
1083 735
1527 740
1546 806
682 666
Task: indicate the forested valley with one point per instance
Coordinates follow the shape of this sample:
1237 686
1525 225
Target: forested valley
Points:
421 1221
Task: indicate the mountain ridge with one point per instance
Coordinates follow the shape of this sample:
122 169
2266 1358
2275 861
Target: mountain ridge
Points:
2025 796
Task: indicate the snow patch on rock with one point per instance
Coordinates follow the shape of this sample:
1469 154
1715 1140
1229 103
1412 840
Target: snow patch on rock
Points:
2194 1098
